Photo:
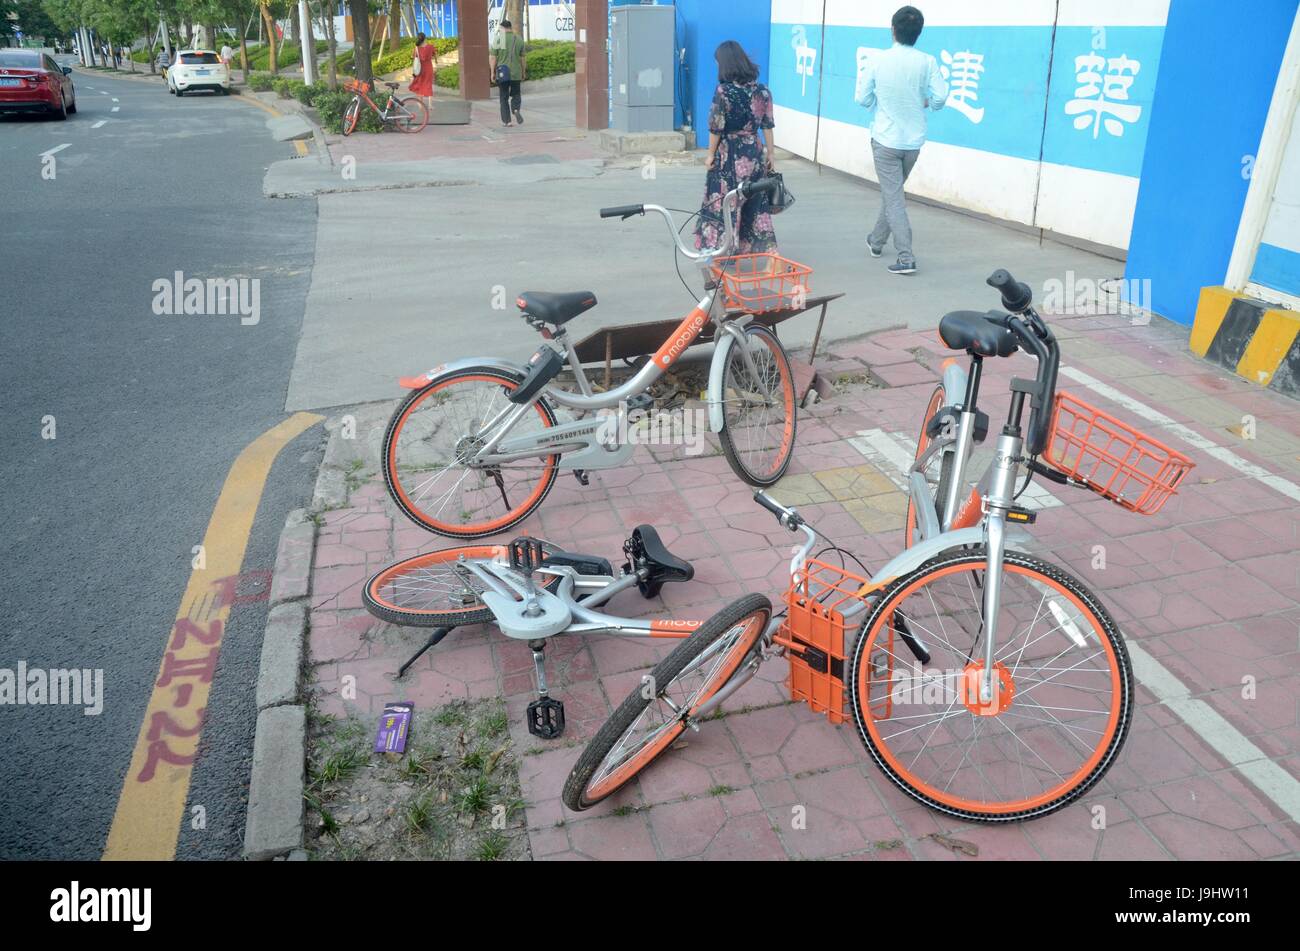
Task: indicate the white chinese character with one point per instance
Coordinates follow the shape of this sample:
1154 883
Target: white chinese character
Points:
962 70
1103 95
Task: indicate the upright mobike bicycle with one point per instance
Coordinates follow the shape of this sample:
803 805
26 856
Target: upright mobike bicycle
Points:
477 445
404 113
985 682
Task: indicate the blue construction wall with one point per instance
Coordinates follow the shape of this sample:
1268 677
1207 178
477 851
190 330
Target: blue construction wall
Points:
702 25
1201 143
1047 116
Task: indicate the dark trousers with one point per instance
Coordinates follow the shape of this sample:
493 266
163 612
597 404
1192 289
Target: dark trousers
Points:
510 98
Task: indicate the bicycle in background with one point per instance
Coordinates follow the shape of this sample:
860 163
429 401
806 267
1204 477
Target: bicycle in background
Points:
404 113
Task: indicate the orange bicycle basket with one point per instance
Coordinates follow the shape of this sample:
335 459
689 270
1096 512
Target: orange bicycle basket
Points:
755 283
1113 458
813 635
356 85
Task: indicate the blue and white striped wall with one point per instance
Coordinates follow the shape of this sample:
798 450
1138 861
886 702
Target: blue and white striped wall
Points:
1049 121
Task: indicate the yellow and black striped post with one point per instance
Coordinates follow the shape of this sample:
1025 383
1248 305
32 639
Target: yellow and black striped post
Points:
1256 340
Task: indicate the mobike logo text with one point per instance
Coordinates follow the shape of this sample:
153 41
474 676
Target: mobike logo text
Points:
689 331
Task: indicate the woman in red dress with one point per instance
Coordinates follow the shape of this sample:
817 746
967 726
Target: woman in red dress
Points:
422 82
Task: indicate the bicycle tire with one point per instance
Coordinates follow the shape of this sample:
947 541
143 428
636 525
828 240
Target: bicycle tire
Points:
1111 641
419 117
507 380
771 474
753 610
379 601
350 115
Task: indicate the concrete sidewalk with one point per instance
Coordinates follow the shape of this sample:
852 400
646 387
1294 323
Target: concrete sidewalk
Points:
432 229
1207 593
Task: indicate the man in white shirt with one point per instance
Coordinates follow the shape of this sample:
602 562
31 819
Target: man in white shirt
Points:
900 83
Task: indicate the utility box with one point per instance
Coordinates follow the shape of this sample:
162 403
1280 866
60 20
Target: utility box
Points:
641 73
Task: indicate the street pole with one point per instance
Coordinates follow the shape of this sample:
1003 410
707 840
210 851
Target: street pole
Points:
308 47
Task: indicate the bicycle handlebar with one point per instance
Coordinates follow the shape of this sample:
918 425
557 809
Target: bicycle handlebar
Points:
1016 296
1035 338
728 204
622 211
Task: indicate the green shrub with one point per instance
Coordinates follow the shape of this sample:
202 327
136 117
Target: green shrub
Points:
260 82
284 87
554 60
307 94
331 104
447 77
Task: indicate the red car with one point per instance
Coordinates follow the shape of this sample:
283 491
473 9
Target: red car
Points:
30 81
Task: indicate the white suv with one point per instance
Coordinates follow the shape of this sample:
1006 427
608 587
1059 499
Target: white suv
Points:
198 69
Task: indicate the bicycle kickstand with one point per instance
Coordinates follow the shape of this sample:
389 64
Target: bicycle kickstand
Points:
438 634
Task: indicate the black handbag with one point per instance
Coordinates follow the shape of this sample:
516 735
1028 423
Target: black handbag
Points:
781 196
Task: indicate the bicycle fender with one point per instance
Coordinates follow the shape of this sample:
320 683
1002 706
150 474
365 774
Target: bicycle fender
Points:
424 379
954 383
716 368
922 552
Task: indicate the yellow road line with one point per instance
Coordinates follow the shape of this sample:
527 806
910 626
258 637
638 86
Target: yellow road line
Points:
298 144
150 808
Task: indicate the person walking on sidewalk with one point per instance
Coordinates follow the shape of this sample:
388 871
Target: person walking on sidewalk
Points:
422 80
509 68
900 83
740 150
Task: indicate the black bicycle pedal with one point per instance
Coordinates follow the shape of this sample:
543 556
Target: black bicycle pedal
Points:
527 554
582 477
546 718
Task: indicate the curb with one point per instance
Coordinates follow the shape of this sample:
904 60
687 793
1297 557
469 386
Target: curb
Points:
276 812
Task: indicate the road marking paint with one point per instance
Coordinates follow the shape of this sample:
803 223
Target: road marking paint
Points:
115 108
893 454
1186 434
57 148
99 123
103 92
115 99
151 806
1226 740
299 146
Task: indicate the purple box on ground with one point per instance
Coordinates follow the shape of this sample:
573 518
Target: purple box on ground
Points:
394 727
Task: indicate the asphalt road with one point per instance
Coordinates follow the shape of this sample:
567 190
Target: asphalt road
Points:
98 523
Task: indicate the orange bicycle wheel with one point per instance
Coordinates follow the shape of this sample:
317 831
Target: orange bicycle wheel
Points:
351 115
1055 720
429 447
758 430
436 589
414 115
657 712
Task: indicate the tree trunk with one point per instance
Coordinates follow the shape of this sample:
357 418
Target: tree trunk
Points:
361 39
269 23
328 17
243 56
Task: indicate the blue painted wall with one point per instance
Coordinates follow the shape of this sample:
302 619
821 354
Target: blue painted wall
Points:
1193 190
701 26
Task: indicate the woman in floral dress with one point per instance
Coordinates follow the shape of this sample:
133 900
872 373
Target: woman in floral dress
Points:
740 150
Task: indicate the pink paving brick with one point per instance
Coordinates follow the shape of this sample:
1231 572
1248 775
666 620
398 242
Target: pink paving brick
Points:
1209 588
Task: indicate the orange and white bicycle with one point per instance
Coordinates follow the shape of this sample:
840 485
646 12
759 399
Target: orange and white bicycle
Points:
477 445
986 683
404 113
